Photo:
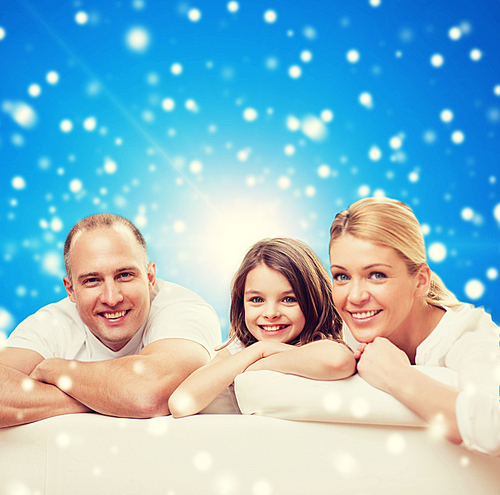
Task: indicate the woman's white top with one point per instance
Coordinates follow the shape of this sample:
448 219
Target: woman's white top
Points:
466 340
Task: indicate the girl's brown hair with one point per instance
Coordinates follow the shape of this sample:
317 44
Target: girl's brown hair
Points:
391 223
309 280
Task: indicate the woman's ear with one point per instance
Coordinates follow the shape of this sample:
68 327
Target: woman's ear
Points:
423 279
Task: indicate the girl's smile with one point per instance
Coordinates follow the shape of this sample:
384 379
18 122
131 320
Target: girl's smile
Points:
271 308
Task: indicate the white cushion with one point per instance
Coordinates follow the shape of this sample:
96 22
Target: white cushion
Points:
352 400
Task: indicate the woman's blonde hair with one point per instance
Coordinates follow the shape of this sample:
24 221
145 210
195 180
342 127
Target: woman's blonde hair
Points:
309 280
391 223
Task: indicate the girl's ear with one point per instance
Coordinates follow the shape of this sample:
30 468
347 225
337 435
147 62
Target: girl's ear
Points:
423 279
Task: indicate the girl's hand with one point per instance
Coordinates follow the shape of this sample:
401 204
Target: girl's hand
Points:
381 362
359 351
269 347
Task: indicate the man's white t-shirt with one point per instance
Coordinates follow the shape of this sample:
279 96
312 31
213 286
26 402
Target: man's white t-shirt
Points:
57 330
467 341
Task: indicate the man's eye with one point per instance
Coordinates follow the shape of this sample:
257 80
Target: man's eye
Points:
125 275
89 281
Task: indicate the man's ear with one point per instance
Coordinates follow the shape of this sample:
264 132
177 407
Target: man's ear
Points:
151 275
69 289
423 280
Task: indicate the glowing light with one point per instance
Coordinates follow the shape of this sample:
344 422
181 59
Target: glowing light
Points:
458 137
64 383
396 142
52 77
271 63
195 167
90 123
202 461
496 212
437 60
314 128
326 115
375 3
294 71
6 320
310 191
34 90
446 115
262 487
467 214
455 33
437 252
306 56
476 55
270 16
2 33
293 123
284 182
66 125
491 274
413 177
289 149
21 113
353 56
137 39
168 104
375 154
18 183
28 384
250 114
63 440
191 105
366 100
474 289
75 185
194 15
176 69
233 6
396 443
243 155
364 190
324 171
496 90
81 17
110 166
345 464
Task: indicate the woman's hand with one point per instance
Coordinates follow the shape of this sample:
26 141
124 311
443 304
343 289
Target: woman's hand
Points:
380 362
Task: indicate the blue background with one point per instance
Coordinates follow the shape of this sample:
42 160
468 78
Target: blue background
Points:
248 150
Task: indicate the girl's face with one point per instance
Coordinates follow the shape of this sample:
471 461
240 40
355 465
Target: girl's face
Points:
372 289
271 308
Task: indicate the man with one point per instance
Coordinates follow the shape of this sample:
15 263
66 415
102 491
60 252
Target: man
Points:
119 345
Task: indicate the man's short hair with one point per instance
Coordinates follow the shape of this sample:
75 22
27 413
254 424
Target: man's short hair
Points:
93 222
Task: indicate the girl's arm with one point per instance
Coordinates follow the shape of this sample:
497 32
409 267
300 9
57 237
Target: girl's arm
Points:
319 360
207 382
385 366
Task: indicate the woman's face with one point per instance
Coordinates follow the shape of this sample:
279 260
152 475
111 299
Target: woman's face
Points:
372 289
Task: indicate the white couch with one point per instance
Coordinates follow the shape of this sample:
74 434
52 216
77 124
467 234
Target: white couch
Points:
334 452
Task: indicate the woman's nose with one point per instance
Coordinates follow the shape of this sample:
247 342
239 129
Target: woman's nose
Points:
358 293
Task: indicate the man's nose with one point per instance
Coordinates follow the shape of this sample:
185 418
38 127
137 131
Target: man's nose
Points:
111 293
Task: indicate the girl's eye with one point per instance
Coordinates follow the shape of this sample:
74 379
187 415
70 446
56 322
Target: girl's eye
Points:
340 277
290 300
377 276
256 299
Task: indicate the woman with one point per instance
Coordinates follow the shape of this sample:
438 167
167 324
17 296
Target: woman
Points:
402 314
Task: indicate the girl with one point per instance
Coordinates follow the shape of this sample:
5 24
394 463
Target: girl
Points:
402 314
282 319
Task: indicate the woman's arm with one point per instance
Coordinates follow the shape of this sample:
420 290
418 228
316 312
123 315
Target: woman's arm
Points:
206 383
320 360
385 366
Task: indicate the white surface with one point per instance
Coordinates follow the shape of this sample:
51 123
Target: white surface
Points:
352 400
234 454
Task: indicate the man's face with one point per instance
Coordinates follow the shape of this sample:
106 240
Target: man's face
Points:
111 284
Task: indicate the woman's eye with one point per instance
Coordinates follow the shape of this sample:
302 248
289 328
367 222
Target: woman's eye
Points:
340 277
289 300
377 276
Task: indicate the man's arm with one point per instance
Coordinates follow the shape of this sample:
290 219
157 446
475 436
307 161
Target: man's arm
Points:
24 400
132 386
